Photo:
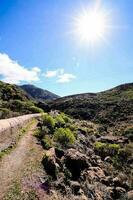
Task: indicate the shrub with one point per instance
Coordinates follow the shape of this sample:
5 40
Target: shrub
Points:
66 118
129 133
47 142
64 136
59 121
104 149
48 121
126 152
35 109
4 112
72 127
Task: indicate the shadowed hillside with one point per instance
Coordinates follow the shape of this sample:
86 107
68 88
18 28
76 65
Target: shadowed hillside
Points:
14 101
39 94
108 107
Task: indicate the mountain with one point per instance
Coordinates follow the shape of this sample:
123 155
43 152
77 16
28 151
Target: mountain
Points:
15 101
12 92
39 94
108 107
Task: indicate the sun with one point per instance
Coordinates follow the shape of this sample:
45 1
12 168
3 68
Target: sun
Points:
91 26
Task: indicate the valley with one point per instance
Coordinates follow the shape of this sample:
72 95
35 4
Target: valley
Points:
80 148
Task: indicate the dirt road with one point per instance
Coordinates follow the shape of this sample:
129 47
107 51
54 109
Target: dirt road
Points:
19 161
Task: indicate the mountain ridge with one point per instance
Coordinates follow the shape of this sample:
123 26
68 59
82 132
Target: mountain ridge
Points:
37 93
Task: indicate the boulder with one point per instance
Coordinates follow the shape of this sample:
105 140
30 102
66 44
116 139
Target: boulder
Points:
76 162
95 174
49 163
119 192
116 181
75 186
130 195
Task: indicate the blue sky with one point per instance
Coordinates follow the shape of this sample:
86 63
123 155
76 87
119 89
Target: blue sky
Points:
38 46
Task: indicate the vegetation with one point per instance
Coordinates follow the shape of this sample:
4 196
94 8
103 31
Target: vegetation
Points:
64 136
48 121
39 94
105 149
15 193
54 129
107 108
47 142
129 133
14 102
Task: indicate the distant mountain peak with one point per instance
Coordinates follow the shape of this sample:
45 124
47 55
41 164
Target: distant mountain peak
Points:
37 93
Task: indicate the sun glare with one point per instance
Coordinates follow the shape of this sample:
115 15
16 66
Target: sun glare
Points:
91 26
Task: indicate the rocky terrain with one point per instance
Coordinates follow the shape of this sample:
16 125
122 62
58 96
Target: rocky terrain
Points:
83 162
83 147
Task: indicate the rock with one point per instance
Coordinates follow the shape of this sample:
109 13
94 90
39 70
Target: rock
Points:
95 174
96 161
49 163
107 180
109 193
59 153
113 139
76 162
89 152
130 195
108 159
83 197
75 187
116 182
98 195
119 191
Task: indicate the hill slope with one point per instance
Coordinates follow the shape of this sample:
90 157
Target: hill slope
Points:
38 93
108 107
14 101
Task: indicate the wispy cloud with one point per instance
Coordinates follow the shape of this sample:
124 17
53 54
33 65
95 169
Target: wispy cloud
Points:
60 75
12 72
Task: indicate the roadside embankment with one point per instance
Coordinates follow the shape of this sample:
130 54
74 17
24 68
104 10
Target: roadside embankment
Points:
9 129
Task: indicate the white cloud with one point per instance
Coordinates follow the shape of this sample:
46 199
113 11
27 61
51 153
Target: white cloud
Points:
61 76
53 73
65 78
12 72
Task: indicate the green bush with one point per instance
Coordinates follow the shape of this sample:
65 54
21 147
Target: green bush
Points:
59 121
35 109
4 113
66 118
47 142
104 149
64 136
48 121
126 152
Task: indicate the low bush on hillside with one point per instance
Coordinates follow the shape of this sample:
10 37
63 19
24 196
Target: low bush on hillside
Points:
66 118
47 142
48 121
35 109
64 136
104 149
59 121
129 133
4 113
